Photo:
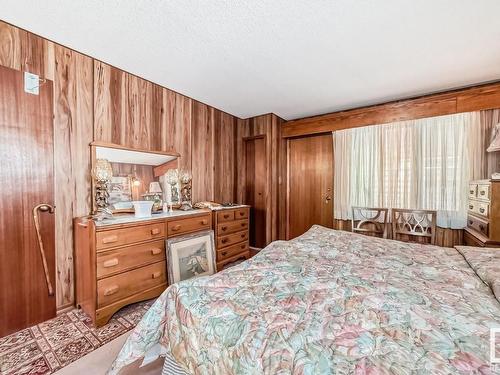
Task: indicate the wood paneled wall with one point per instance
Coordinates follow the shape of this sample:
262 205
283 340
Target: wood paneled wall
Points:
95 101
465 100
270 126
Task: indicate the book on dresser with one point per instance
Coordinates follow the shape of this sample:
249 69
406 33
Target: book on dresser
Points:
231 227
483 218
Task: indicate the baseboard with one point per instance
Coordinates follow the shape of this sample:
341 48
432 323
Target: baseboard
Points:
65 308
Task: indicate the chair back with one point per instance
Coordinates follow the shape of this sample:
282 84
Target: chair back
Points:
370 221
413 224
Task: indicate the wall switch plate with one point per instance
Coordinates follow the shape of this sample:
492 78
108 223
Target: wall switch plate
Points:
31 83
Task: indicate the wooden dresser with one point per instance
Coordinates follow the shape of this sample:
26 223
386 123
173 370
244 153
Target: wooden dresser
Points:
231 226
119 264
483 220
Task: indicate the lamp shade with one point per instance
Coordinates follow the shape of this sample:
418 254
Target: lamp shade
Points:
154 187
102 170
495 139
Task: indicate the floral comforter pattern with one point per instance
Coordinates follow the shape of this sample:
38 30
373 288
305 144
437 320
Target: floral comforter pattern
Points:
327 302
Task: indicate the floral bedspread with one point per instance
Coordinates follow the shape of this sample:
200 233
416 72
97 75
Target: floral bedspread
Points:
327 302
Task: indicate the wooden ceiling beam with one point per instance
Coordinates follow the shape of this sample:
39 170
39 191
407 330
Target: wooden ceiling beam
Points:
457 101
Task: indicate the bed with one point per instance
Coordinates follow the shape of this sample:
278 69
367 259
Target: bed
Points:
329 302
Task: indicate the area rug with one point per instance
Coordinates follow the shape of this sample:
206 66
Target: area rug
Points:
51 345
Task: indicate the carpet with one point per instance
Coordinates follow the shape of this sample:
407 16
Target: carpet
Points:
51 345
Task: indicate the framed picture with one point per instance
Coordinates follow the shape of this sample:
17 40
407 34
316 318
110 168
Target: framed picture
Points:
120 192
190 256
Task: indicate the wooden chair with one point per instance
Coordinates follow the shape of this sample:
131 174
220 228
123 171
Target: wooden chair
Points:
408 224
370 221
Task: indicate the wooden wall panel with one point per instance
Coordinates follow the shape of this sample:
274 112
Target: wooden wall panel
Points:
175 126
225 152
72 134
202 151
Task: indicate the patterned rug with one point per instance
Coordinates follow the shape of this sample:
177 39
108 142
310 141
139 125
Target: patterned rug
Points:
51 345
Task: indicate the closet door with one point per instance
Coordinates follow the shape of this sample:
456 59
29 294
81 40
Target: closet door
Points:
27 276
310 183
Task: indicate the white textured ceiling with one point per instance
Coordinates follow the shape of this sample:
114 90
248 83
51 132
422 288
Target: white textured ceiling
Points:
292 57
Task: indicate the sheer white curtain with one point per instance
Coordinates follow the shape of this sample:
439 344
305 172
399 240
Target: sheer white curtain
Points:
421 164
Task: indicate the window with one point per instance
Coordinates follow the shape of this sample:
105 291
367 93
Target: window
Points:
419 164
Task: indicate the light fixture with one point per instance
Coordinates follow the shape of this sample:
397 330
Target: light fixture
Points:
102 174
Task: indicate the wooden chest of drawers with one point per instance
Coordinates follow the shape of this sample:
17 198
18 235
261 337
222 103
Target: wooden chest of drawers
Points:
483 221
116 265
231 226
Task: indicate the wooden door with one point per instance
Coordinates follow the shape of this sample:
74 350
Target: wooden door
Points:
310 183
26 174
255 189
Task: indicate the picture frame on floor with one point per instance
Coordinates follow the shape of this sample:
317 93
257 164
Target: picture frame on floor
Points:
190 256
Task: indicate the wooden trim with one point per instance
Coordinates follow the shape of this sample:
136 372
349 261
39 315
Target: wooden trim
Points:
121 147
463 100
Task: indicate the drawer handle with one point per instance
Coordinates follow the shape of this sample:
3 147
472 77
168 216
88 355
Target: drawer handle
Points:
110 239
224 253
243 246
471 192
471 206
482 192
481 210
204 222
471 222
224 240
156 274
226 216
112 290
243 224
242 213
223 229
176 228
243 235
155 251
110 263
481 226
155 231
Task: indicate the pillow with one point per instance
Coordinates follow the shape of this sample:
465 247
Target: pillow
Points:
485 261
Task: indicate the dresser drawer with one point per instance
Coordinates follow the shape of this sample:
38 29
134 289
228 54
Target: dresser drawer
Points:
189 225
125 236
231 227
231 239
115 288
479 208
241 213
225 215
478 225
119 260
483 192
231 251
472 191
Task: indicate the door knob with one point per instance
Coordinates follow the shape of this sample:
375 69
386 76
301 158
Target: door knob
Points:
328 199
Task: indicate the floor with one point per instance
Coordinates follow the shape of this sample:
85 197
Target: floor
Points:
47 347
97 362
